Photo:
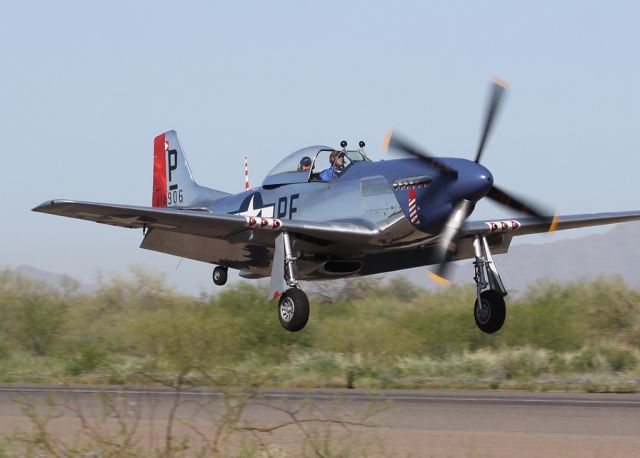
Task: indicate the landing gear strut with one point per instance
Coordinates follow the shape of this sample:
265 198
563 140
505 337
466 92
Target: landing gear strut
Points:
489 308
293 304
220 275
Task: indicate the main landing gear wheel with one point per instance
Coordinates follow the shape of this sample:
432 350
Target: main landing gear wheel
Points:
293 309
220 275
490 317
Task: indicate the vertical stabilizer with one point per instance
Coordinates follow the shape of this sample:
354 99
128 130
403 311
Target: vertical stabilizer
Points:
173 183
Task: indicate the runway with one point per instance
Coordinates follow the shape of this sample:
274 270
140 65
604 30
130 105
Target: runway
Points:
382 423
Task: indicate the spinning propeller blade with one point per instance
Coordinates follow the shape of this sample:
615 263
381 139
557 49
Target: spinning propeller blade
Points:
499 87
509 200
448 246
392 140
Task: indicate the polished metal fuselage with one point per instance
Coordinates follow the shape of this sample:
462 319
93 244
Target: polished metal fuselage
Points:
372 194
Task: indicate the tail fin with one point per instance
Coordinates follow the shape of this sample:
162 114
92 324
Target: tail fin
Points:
173 183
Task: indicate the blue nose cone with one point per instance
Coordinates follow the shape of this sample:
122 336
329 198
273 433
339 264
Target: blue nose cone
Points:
473 183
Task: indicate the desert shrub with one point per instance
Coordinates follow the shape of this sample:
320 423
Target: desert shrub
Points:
559 363
611 308
320 363
587 360
33 314
476 364
544 318
619 359
402 289
524 362
87 359
377 333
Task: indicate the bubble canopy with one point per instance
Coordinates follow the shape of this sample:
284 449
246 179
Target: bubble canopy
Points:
289 169
305 164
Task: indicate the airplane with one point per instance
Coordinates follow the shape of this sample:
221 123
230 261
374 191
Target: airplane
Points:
326 213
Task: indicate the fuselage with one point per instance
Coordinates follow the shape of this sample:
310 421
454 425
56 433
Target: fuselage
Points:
407 199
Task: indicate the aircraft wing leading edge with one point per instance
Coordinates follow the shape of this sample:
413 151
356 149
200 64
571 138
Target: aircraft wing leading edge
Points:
530 225
203 223
246 243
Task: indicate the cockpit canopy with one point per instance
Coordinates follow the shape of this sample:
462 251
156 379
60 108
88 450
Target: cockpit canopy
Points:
293 168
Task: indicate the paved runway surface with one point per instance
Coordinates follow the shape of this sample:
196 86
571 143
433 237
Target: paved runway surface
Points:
406 423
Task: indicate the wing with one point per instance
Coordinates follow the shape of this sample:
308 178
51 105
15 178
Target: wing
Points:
529 225
202 222
499 235
240 242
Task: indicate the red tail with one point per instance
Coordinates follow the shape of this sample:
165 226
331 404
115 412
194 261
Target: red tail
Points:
159 195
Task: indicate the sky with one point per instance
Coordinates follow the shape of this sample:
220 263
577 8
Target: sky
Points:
85 86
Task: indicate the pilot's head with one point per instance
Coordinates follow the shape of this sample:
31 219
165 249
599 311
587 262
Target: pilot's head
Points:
337 158
305 164
334 155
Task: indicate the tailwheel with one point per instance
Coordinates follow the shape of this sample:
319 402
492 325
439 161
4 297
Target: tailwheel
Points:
293 309
220 275
490 314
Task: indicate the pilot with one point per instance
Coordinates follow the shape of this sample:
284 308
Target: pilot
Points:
336 158
305 164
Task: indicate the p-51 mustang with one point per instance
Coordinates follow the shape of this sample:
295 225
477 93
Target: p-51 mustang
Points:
362 218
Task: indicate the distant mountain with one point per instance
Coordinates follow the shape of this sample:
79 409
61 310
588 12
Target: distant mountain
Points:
40 275
56 280
615 252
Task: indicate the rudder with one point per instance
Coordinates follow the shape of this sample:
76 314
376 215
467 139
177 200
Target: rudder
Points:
173 183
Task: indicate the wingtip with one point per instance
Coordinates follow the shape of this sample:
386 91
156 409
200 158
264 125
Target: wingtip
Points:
44 205
554 224
438 279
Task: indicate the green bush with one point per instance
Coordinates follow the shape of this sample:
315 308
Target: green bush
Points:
588 360
86 360
369 333
619 359
524 363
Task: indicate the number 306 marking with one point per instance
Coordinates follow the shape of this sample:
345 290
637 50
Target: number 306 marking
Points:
174 197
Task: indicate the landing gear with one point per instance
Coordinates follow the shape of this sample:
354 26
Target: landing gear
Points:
293 304
220 275
293 309
490 314
489 309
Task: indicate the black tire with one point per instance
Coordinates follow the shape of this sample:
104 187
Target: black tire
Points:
493 320
293 309
219 275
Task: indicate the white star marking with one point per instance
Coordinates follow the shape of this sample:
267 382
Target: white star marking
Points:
265 212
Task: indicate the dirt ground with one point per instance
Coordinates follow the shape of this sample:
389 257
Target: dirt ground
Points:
391 423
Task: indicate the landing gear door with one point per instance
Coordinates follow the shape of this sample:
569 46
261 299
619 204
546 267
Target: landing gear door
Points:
277 285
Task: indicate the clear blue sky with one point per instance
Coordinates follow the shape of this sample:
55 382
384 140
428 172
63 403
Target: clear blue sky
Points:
85 87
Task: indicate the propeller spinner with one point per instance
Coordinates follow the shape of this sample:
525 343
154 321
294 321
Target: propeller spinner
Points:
448 244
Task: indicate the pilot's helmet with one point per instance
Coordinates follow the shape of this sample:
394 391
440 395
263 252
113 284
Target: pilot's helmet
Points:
334 155
305 162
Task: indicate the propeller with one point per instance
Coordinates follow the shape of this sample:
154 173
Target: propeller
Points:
508 200
448 243
392 140
499 87
448 246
